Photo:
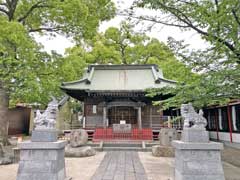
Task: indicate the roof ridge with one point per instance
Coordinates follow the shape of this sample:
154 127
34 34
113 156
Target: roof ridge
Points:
121 66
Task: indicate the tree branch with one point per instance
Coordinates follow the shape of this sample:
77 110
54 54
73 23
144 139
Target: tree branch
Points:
11 5
177 13
31 9
235 16
152 20
54 29
4 11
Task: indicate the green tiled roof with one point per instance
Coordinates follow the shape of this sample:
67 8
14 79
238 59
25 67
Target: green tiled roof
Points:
119 78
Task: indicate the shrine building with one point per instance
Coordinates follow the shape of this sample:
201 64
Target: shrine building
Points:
115 95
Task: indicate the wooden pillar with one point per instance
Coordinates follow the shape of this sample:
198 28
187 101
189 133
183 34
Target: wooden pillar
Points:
139 117
230 122
217 123
150 116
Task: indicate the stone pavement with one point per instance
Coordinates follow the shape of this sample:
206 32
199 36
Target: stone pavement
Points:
120 165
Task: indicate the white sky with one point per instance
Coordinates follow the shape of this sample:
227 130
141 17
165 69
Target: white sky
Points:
59 43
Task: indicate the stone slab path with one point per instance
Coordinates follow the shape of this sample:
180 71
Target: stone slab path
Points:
120 165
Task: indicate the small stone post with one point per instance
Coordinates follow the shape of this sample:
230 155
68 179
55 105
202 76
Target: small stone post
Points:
42 158
169 122
104 116
195 156
140 118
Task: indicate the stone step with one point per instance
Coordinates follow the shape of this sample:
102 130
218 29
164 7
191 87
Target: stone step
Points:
93 144
125 149
122 145
152 144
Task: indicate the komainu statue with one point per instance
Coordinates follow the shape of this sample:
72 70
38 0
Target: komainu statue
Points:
47 119
191 118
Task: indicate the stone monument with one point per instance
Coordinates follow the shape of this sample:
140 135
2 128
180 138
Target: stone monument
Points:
195 156
122 128
43 156
166 136
77 146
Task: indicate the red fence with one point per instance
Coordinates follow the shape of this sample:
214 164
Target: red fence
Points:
135 134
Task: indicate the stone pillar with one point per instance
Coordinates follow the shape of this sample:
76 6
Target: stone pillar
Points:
139 117
104 116
169 122
84 122
31 121
220 118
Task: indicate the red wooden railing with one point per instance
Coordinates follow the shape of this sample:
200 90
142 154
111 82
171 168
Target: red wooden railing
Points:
134 134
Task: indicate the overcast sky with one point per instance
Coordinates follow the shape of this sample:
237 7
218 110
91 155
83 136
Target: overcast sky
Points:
59 43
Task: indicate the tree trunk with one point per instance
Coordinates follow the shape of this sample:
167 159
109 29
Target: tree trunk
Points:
4 102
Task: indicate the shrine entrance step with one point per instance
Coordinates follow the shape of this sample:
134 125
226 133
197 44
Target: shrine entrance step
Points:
141 146
123 146
126 146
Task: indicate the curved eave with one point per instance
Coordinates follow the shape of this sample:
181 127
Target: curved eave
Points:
168 81
65 84
74 82
77 94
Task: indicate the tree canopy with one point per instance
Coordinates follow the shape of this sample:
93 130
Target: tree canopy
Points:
124 46
216 21
27 73
218 65
26 69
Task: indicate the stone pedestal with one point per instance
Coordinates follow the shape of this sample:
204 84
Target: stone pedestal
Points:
195 135
41 161
44 135
162 151
198 161
84 151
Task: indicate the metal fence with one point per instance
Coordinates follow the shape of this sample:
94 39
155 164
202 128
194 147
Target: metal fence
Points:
134 134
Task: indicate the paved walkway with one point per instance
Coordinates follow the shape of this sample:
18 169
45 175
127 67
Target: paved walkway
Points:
120 165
